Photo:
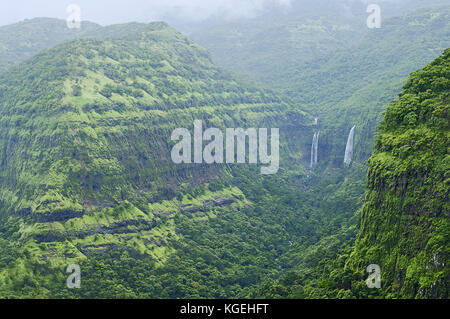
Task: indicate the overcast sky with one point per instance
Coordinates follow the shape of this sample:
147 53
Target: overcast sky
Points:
120 11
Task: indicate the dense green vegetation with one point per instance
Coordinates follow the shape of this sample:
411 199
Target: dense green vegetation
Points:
226 252
405 220
278 44
330 64
22 40
405 225
90 96
86 170
86 175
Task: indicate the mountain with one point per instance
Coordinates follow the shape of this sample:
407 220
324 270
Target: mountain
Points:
349 83
404 232
323 57
316 53
22 40
87 176
84 96
405 226
279 42
353 85
346 82
266 47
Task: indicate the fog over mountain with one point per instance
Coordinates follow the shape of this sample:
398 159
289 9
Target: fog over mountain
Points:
116 11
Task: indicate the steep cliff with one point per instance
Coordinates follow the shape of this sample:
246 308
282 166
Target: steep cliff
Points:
405 220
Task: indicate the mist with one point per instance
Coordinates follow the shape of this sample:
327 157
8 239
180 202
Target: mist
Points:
118 11
107 12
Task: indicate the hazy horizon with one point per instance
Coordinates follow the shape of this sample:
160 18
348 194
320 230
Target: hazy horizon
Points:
114 11
109 12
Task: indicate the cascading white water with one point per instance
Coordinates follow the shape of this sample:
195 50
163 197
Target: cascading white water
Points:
349 147
314 149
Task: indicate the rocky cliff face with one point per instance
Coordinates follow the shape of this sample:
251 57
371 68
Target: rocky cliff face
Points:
405 220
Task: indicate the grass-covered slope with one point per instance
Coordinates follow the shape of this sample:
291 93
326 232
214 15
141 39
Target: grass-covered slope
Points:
277 44
405 220
265 47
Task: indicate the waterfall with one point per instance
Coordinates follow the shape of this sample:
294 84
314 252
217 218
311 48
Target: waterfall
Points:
349 147
314 149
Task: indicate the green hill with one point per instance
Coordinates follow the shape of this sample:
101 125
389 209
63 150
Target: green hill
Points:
280 45
353 85
323 57
86 174
405 220
22 40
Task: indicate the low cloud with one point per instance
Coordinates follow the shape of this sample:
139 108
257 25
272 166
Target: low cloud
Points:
119 11
204 9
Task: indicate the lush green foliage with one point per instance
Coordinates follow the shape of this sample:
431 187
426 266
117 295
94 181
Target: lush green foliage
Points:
86 175
86 170
22 40
330 63
405 224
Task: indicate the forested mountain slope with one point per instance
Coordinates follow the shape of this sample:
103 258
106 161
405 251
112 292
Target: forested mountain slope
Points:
280 41
22 40
87 178
86 175
405 219
348 83
322 55
353 85
405 227
78 101
266 47
325 58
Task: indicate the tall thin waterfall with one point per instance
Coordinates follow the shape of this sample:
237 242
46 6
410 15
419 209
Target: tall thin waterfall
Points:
314 149
349 147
